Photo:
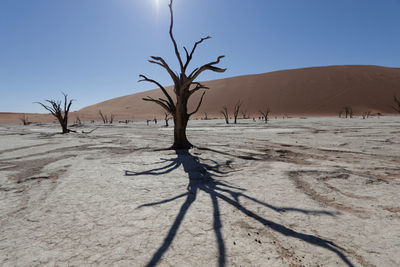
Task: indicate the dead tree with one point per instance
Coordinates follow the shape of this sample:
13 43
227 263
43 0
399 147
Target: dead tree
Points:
244 114
396 105
205 116
112 118
348 111
61 113
184 87
224 112
236 110
24 120
265 112
78 120
166 119
104 118
366 115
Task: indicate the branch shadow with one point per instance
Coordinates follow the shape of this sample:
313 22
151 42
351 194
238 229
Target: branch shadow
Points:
203 177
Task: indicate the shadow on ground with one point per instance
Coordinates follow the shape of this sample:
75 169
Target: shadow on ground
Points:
203 177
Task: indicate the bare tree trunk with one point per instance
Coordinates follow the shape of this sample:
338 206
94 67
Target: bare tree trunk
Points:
396 105
224 112
166 119
181 119
236 110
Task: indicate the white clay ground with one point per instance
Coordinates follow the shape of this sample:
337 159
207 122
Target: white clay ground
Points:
294 192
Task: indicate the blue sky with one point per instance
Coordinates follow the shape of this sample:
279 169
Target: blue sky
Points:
94 50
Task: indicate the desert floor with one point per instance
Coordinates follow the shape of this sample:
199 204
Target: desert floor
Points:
293 192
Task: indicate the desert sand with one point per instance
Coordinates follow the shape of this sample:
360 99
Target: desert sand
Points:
318 91
293 192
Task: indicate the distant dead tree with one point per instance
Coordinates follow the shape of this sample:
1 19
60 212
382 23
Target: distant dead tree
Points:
348 111
78 119
205 116
244 114
366 114
147 121
340 113
265 112
104 118
184 87
396 105
166 119
155 120
24 119
224 112
236 110
61 113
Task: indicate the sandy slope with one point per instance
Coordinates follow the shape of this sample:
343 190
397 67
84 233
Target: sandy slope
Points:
309 91
295 192
299 92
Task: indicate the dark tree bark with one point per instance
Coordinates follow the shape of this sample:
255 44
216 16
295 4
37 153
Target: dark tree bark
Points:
103 117
184 87
265 112
396 106
60 113
166 119
236 110
225 112
24 120
244 114
348 111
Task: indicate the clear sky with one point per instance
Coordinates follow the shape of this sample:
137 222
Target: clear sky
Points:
94 50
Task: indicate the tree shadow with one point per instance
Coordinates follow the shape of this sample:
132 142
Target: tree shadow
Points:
203 177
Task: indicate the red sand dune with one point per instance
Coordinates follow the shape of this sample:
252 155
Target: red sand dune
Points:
309 91
298 92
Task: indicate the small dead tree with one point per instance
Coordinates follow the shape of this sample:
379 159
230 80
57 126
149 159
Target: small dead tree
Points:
348 111
244 114
224 112
205 116
265 112
396 105
78 120
24 119
184 87
104 118
366 115
112 118
59 111
166 119
236 110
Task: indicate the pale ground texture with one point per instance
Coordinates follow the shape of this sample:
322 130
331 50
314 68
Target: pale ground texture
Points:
294 192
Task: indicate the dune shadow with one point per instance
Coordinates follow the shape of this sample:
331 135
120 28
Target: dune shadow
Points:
203 176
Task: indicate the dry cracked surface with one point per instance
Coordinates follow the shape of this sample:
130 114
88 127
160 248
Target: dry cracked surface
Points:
294 192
